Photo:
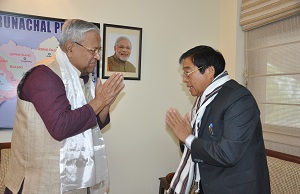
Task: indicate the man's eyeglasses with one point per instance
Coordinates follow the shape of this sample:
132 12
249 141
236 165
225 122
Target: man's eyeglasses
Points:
93 51
187 74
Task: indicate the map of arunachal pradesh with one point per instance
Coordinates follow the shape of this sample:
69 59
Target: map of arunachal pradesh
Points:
24 40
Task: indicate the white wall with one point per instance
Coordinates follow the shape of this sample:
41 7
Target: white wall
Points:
232 38
140 148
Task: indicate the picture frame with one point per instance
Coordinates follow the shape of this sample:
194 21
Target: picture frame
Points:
122 48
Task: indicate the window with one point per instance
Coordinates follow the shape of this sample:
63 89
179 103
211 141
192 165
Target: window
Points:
273 76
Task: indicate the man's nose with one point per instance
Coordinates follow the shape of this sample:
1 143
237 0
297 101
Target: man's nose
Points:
97 56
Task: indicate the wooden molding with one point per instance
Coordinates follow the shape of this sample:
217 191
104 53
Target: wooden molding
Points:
283 156
4 146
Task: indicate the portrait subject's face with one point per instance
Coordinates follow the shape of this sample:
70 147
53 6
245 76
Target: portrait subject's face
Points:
123 50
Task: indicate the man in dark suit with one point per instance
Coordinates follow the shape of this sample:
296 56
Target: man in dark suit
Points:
224 148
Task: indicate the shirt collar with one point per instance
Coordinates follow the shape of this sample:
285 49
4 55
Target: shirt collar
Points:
85 78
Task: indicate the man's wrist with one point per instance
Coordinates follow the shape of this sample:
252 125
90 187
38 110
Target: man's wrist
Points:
189 140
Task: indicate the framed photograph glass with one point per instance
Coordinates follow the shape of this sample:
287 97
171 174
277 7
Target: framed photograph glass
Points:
122 48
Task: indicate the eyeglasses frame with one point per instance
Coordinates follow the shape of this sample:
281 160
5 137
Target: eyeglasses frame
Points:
92 51
186 75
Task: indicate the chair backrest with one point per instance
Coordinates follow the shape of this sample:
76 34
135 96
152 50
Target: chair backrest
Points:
4 160
284 172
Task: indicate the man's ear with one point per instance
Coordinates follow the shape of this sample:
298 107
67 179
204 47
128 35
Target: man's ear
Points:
68 47
211 72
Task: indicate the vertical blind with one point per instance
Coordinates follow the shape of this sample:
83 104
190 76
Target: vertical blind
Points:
273 76
256 13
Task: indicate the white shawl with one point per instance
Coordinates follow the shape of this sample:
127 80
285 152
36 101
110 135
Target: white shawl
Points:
83 160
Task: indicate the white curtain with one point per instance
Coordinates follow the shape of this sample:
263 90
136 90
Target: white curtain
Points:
273 75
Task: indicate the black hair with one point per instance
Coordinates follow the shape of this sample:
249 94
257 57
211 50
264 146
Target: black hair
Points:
205 56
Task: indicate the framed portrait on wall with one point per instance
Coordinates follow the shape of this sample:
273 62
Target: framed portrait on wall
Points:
122 48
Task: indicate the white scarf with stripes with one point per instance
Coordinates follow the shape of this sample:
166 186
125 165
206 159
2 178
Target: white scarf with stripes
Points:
186 174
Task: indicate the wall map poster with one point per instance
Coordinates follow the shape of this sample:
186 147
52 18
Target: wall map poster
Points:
24 40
